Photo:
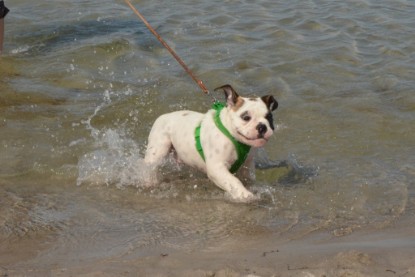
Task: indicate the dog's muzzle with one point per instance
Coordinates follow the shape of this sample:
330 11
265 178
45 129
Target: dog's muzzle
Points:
262 129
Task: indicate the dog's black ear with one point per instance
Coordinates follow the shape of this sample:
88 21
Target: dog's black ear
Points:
230 94
270 101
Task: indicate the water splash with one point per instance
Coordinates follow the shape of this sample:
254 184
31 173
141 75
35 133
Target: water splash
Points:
117 159
118 162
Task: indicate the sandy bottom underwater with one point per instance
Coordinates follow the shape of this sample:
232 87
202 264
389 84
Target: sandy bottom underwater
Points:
371 252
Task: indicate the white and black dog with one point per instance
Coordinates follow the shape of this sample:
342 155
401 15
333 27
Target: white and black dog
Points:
217 142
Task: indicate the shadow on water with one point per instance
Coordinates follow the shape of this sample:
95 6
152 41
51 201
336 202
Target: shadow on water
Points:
287 173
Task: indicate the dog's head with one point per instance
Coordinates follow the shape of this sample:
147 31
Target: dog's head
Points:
251 119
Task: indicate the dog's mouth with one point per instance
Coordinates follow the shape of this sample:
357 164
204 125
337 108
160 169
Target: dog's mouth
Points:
260 137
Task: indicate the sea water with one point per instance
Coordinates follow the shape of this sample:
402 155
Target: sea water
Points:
81 83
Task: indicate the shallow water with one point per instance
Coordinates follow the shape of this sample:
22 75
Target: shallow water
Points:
82 84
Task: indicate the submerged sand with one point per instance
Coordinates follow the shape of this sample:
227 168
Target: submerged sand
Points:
388 251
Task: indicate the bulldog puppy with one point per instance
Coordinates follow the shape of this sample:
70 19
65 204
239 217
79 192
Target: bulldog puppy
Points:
218 142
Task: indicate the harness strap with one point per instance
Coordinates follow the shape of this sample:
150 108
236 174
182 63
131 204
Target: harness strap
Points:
198 144
242 149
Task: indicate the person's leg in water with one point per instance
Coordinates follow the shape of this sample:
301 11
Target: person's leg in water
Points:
3 13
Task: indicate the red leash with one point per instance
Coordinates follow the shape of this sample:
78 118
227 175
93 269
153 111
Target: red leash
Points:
178 59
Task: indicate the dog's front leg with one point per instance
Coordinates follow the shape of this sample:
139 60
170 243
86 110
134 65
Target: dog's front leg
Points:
221 176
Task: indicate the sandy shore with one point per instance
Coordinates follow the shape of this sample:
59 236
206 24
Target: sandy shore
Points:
382 252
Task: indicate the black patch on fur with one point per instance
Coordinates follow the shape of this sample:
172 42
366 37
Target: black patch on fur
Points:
270 119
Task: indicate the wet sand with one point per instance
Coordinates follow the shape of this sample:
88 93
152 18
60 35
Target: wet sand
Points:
384 252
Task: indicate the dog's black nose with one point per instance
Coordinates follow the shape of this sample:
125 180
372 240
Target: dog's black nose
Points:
262 129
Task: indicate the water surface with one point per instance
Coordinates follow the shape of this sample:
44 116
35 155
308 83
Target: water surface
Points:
82 82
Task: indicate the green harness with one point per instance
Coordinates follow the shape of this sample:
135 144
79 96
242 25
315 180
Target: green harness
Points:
242 149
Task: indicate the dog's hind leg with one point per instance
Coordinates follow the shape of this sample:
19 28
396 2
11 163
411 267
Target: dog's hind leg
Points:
158 148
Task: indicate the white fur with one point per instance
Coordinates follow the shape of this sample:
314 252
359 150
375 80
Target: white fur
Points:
176 131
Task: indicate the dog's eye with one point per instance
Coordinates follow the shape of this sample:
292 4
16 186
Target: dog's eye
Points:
245 116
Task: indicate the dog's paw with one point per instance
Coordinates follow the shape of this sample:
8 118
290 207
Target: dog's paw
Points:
244 197
149 179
